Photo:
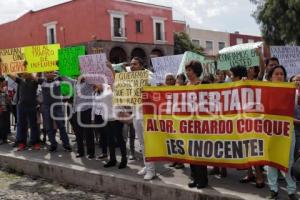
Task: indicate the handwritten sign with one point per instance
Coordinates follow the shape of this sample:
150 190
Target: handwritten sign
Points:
188 57
68 60
209 67
12 60
42 58
289 57
165 65
128 87
239 55
93 68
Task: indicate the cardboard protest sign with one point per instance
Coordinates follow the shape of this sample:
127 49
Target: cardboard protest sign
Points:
289 57
165 65
68 60
187 57
12 60
42 58
239 55
128 87
94 69
236 124
209 67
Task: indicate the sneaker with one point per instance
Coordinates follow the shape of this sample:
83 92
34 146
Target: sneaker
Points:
21 147
149 175
37 147
142 171
273 195
292 197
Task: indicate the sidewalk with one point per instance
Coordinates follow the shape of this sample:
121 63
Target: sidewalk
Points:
169 184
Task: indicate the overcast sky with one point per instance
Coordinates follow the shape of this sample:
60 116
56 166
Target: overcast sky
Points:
220 15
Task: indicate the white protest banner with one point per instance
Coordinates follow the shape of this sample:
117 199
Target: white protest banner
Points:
289 57
187 57
93 68
165 65
209 67
241 54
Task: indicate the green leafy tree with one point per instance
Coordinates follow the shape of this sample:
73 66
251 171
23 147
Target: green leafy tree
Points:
182 43
279 21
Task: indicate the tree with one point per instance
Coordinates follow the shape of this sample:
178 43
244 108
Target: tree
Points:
279 21
182 43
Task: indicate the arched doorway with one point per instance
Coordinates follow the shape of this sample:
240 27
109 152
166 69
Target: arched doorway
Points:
157 53
117 55
138 52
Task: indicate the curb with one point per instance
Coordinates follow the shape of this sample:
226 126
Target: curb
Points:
98 180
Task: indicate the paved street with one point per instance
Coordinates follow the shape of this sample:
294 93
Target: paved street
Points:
15 186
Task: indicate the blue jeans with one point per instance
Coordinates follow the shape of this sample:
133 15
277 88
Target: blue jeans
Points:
27 114
273 174
57 112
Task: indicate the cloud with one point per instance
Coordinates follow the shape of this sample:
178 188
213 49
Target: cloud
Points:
224 15
221 15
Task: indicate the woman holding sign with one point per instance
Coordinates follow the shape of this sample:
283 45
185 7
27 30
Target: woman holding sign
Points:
198 172
278 74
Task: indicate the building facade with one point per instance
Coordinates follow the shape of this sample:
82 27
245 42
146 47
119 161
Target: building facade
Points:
211 41
120 28
237 38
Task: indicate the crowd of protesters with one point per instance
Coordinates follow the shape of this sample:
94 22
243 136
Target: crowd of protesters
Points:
106 126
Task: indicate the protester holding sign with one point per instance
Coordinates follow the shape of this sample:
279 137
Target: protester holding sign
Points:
81 116
278 74
198 172
266 66
53 110
148 171
113 127
26 110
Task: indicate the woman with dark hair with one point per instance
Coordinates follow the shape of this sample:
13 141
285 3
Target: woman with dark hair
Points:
180 79
278 74
198 172
220 76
